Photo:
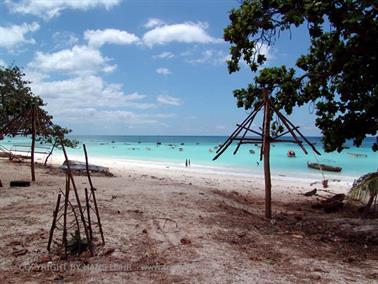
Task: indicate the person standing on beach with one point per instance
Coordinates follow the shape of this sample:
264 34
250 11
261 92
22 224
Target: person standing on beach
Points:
186 162
189 163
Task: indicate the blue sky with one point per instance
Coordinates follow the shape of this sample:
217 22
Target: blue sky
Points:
132 67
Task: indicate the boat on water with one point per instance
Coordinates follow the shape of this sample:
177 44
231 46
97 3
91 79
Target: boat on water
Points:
291 154
323 167
357 155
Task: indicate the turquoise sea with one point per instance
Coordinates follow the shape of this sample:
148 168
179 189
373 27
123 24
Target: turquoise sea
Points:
201 150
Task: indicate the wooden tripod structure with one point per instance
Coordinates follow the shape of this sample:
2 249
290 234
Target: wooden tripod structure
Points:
265 139
33 121
80 220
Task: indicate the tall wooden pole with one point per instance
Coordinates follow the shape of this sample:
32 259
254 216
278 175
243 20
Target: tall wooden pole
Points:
33 144
90 241
53 225
66 199
93 195
266 145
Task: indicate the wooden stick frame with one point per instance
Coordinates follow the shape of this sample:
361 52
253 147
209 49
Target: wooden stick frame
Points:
69 172
265 140
83 217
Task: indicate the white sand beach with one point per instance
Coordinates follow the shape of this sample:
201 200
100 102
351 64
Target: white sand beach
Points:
234 178
185 226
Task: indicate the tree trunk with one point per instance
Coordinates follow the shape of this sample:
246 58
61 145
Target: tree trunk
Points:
48 156
33 145
266 138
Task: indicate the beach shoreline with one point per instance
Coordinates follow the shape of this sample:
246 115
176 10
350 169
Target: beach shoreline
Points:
121 165
174 151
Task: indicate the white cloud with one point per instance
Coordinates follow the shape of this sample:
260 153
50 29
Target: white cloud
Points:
265 50
14 35
35 76
87 103
109 68
94 120
48 9
184 33
169 100
98 38
90 91
220 57
211 56
64 39
153 22
78 60
86 91
164 55
163 71
187 52
2 63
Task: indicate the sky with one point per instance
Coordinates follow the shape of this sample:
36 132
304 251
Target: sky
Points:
135 67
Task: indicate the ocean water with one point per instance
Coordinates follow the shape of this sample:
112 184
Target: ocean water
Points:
201 150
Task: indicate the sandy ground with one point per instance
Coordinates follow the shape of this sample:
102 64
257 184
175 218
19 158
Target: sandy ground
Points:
176 225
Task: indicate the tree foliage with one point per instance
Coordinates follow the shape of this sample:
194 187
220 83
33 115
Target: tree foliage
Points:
16 97
337 75
15 94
